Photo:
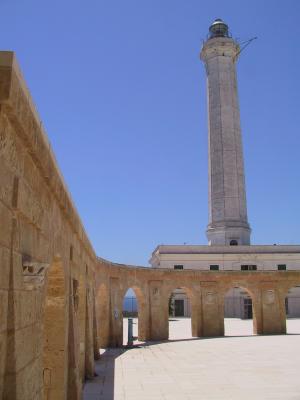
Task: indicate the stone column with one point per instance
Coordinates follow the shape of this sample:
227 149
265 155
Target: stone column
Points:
103 311
74 381
228 223
196 312
144 317
96 340
116 316
159 313
89 337
212 310
273 312
256 296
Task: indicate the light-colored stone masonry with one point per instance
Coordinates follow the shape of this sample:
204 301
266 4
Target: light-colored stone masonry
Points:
206 291
47 262
58 301
227 195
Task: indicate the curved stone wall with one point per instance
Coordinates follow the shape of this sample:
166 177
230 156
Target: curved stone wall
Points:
58 301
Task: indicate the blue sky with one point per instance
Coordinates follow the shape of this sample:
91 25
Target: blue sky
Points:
121 92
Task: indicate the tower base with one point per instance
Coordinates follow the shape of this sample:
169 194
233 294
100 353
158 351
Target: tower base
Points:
228 236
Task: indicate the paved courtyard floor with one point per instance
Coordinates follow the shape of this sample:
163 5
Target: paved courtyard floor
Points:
235 367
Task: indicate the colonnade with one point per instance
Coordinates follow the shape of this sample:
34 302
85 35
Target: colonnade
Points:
206 291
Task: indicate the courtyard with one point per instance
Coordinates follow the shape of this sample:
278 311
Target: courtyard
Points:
237 366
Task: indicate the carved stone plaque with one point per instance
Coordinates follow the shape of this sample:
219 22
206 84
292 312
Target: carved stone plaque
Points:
210 298
269 297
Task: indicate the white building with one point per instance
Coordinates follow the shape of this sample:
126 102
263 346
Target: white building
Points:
228 230
233 258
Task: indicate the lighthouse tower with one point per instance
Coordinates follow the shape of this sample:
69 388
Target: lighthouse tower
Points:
228 222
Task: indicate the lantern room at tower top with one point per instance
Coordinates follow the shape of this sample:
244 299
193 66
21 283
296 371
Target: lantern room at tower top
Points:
218 29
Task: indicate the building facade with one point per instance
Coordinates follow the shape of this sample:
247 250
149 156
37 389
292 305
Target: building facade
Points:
229 258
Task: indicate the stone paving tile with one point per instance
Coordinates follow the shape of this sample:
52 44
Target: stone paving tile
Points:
240 367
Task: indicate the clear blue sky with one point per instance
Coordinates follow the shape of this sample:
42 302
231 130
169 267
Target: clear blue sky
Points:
121 92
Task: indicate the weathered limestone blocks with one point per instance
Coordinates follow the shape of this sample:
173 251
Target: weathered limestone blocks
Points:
206 290
103 315
89 335
212 310
3 334
40 346
159 311
273 310
227 195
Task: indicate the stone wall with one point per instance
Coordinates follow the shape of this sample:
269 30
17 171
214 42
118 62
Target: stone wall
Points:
206 291
47 262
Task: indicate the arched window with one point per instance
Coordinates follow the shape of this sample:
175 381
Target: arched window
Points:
233 242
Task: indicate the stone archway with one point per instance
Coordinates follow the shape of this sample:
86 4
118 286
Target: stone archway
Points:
181 310
292 309
142 311
55 334
239 309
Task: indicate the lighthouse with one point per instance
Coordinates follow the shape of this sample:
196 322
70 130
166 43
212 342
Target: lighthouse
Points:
228 222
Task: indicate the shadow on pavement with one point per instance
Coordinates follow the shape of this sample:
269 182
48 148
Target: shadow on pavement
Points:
102 387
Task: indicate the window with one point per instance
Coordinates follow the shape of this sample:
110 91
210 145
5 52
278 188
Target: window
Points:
214 267
248 308
281 267
179 308
178 266
233 242
252 267
248 267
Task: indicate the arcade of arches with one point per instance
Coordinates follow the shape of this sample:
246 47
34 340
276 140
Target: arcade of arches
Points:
206 291
58 302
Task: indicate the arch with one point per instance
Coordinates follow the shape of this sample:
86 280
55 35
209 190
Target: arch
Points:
180 309
233 242
103 316
55 334
189 291
239 303
292 308
142 312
